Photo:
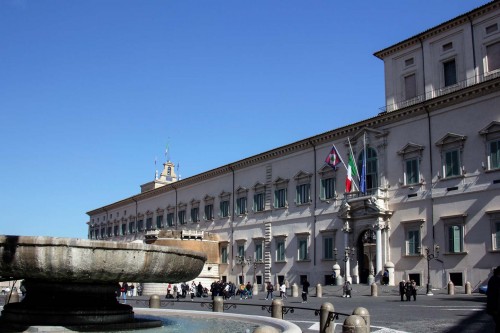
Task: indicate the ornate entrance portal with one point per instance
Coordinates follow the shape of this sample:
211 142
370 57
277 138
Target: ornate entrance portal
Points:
367 255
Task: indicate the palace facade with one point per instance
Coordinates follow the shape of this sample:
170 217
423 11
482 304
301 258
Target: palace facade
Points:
431 209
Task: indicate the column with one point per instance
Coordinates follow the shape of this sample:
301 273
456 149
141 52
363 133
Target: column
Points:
379 267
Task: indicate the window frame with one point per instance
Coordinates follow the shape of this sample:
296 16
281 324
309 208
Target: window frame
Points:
494 217
459 222
280 250
449 144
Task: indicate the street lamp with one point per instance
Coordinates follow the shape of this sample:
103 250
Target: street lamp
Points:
348 255
430 256
241 260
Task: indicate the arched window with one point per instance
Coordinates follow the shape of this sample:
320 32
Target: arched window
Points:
371 168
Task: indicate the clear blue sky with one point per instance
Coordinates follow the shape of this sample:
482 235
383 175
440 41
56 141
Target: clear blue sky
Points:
92 90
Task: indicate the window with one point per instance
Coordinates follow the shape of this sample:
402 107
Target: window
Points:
280 193
209 212
412 174
241 206
454 233
302 248
327 190
328 247
115 230
131 228
223 255
258 202
452 163
409 62
280 250
241 250
103 233
303 194
450 73
455 238
170 219
159 221
258 251
149 223
181 215
109 233
493 56
124 229
224 208
494 155
413 242
303 188
410 84
280 198
140 225
451 146
448 47
195 214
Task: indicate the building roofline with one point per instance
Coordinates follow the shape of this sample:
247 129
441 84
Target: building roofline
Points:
450 24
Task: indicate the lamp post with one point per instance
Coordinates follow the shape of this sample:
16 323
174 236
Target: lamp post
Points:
241 260
430 256
348 255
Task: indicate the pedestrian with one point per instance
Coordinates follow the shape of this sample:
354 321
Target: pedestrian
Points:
305 290
409 290
493 298
139 289
283 290
270 290
402 289
334 276
192 290
385 278
414 290
347 289
124 290
200 290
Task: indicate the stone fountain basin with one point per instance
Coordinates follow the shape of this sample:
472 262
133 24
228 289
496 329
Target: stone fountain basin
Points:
90 261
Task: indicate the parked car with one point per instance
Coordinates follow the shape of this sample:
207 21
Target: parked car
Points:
483 289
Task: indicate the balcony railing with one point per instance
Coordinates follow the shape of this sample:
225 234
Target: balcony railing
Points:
442 91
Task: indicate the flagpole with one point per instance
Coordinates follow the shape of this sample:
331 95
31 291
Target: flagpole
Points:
340 157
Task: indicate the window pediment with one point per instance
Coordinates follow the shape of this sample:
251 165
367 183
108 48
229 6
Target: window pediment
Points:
281 181
194 202
492 131
302 176
241 190
224 195
259 187
411 149
159 210
326 171
182 205
170 208
208 198
451 139
149 213
369 132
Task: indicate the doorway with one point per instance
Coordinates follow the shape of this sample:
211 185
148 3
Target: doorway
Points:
367 254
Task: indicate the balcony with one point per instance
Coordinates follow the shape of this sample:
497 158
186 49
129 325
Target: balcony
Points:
441 91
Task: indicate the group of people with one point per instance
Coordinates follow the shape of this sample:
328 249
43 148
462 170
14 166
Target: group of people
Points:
408 289
181 290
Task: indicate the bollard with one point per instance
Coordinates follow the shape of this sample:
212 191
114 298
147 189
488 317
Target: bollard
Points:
354 324
12 297
451 288
266 329
363 313
319 290
374 289
255 289
325 326
468 289
295 290
218 304
154 302
277 309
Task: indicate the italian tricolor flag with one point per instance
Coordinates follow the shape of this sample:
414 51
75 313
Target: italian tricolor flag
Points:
351 173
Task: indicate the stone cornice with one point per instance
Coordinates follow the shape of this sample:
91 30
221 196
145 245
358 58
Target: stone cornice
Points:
338 134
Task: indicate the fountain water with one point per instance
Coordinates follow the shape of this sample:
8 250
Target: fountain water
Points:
73 282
